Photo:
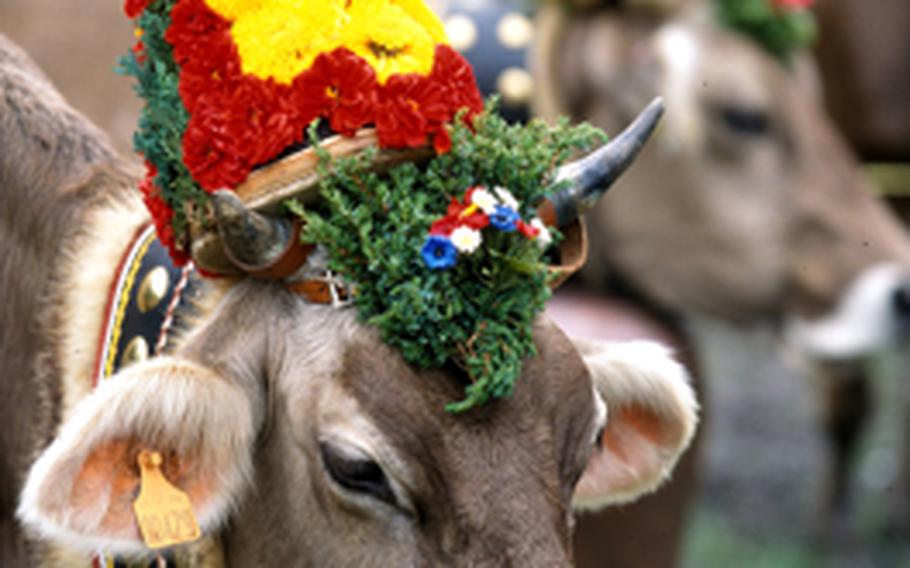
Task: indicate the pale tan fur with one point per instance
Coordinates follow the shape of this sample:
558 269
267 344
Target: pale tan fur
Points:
89 273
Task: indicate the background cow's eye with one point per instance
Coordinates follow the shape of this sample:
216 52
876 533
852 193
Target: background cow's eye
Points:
356 473
744 120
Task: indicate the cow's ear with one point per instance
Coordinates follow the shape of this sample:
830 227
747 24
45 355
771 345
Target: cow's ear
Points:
82 488
651 418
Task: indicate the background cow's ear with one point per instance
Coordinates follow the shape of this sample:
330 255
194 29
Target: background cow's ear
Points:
81 490
651 418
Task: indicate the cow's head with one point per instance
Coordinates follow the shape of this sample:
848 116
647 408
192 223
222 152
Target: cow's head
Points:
748 205
302 437
313 443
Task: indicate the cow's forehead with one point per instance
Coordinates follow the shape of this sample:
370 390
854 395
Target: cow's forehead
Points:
542 425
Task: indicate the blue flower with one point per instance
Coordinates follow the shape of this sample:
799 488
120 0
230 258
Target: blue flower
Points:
439 253
504 218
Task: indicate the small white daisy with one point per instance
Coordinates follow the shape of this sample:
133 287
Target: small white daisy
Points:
466 239
485 200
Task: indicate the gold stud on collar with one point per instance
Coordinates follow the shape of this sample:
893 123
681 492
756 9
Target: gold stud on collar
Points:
153 289
516 86
137 350
515 31
462 32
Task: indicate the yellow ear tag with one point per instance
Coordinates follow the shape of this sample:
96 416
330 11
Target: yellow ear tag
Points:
164 513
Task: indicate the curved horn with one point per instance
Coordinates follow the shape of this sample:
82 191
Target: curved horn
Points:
590 177
251 240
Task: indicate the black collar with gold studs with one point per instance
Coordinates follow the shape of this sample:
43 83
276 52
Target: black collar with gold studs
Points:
147 301
145 305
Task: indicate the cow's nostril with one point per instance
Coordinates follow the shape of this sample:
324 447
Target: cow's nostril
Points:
901 301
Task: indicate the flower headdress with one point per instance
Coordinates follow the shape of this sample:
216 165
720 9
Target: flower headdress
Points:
781 27
230 85
356 116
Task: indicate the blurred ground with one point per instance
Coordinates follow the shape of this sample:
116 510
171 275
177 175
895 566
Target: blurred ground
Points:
764 457
764 451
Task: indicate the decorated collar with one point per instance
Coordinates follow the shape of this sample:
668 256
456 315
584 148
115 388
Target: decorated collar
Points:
148 298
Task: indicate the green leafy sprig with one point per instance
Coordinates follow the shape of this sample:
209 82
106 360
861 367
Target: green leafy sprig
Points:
478 314
164 117
781 30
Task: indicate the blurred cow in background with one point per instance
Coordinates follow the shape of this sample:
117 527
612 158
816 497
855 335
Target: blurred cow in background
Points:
750 207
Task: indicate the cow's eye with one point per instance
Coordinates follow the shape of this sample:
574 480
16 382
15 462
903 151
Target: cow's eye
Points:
745 121
356 473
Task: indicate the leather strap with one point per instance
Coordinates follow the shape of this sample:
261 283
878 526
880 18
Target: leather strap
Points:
573 252
288 263
318 291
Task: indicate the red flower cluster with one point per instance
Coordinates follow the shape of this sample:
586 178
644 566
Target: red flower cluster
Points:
453 219
458 215
133 8
413 107
162 215
239 121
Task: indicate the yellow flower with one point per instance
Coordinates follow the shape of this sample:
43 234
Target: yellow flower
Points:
233 9
394 36
418 10
279 39
283 37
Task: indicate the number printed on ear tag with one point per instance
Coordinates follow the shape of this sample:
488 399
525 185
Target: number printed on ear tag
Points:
164 513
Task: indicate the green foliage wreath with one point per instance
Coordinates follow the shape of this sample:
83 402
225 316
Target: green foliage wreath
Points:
478 314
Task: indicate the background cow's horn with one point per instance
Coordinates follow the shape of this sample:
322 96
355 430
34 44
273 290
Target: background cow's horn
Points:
590 177
251 240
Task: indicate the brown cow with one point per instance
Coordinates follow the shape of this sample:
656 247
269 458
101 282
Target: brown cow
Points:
747 177
299 437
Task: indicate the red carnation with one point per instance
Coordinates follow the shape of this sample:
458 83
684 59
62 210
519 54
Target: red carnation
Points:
410 108
264 119
477 221
138 50
217 70
456 207
444 227
528 230
442 141
455 74
212 151
198 34
134 8
341 87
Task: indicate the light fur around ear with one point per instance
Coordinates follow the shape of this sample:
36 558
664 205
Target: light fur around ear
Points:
81 490
651 419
